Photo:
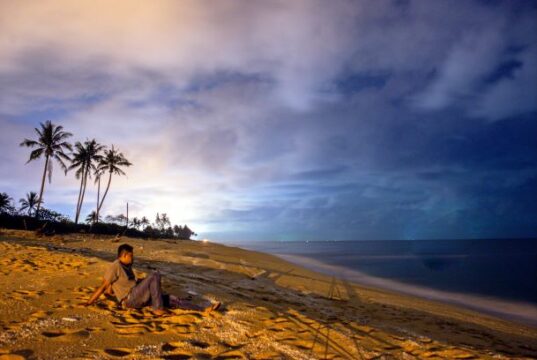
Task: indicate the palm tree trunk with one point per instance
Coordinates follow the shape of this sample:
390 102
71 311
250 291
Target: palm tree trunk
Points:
106 191
98 198
42 187
79 195
83 193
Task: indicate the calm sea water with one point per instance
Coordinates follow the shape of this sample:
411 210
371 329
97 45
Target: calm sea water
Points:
495 270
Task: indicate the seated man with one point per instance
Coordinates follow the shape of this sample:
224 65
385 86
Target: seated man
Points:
133 293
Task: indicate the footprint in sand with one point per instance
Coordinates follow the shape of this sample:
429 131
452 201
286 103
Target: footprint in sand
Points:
199 344
108 353
134 324
299 343
178 356
63 304
117 352
95 329
279 324
40 314
267 355
233 354
5 354
67 334
184 319
173 345
232 345
131 329
175 350
25 295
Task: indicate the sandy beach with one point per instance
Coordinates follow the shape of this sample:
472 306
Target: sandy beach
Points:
272 309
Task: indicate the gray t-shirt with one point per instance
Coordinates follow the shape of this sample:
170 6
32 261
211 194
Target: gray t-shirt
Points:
121 277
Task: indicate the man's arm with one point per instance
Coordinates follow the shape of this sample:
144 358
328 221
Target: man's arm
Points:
98 292
109 290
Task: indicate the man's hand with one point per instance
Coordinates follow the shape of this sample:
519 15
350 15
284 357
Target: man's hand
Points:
97 293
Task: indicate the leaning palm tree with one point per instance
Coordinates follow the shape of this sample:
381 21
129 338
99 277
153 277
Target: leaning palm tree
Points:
112 162
50 143
5 203
29 203
85 160
98 173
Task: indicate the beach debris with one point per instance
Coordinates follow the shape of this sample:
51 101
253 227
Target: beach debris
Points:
258 274
152 350
70 319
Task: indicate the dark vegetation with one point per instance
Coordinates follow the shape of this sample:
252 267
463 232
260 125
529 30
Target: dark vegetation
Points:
51 222
51 227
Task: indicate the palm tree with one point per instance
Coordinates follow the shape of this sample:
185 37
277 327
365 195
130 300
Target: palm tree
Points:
144 222
98 173
165 220
136 223
112 162
30 203
51 143
92 218
158 223
85 160
5 203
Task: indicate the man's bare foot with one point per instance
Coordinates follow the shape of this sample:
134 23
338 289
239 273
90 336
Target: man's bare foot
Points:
160 312
215 306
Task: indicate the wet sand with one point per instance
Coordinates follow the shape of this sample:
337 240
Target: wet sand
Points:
517 311
272 309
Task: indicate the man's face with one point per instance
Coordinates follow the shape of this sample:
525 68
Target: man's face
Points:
126 258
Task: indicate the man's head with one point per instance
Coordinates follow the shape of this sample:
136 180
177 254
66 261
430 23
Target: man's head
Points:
125 254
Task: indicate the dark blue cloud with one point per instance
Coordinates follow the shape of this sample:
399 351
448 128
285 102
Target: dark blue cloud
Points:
208 81
353 83
504 70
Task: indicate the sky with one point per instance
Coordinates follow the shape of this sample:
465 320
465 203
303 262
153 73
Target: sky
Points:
285 120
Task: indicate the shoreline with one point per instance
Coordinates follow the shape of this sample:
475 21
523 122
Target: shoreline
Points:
524 313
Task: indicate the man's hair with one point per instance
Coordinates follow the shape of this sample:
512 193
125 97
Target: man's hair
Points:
124 248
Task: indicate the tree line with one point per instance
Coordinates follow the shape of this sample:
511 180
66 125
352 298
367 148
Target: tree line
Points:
87 160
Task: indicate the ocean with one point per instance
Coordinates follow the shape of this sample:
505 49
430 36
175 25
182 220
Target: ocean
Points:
497 277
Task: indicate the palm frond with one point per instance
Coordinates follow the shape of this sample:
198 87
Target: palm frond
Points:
60 161
29 143
63 156
51 142
36 154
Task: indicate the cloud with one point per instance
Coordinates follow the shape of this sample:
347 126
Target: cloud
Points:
179 40
511 96
465 66
463 79
362 118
